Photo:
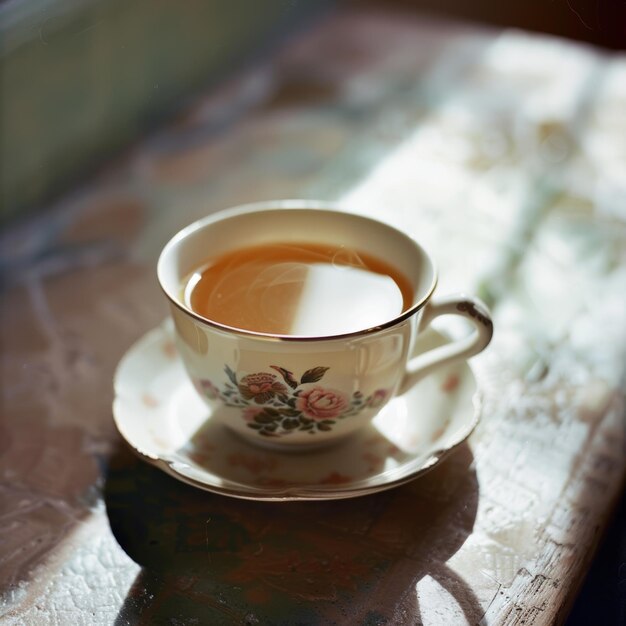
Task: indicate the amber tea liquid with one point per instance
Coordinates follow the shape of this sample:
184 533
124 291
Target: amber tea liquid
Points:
302 289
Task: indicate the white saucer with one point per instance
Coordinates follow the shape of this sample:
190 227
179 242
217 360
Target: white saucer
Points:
158 412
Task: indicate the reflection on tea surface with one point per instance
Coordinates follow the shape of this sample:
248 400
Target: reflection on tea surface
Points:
298 289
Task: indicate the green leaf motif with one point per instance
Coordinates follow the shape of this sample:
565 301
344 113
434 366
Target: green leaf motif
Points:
287 376
231 375
313 375
263 418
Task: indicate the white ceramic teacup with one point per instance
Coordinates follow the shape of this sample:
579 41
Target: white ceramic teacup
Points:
294 392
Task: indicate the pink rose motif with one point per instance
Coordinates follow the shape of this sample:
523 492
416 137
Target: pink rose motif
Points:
260 387
320 404
208 389
378 398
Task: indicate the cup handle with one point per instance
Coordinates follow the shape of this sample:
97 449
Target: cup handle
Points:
470 308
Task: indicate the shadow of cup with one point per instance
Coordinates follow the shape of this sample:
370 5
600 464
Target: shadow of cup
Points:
313 562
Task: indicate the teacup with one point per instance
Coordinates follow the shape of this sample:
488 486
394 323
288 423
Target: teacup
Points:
290 391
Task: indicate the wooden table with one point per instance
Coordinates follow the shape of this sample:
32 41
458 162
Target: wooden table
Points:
504 151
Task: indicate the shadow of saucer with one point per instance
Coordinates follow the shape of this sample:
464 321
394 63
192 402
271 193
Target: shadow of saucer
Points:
221 560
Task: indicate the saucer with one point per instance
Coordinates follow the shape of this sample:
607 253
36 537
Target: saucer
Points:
160 415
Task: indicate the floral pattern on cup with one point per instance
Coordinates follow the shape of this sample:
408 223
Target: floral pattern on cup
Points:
277 406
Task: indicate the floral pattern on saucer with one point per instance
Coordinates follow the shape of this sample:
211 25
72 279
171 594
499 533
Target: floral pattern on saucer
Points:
276 409
160 414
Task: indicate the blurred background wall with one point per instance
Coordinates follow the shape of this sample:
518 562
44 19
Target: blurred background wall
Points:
601 22
82 79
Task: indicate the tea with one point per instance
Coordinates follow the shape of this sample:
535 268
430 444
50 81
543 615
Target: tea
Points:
300 289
